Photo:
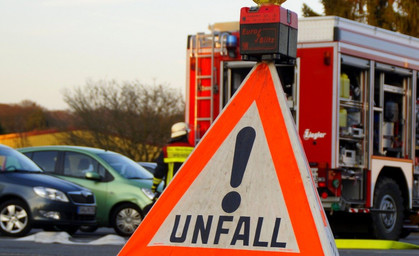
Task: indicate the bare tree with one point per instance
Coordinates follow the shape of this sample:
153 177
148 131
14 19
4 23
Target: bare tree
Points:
130 118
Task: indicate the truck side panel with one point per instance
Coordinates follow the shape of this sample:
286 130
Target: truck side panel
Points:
316 113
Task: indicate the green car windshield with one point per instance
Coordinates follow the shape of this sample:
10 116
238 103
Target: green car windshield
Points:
125 166
11 160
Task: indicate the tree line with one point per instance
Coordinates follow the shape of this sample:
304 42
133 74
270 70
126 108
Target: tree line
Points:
29 116
130 118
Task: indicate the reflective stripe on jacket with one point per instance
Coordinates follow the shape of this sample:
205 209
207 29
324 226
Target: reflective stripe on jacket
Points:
175 154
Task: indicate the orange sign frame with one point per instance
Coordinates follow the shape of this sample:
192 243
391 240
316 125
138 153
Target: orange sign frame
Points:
259 87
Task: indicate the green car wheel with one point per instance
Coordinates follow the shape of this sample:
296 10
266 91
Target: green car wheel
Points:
126 218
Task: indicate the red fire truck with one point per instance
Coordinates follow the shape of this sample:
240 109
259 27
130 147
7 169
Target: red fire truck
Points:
353 95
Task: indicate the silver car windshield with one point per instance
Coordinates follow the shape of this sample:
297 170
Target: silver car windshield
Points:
125 166
12 160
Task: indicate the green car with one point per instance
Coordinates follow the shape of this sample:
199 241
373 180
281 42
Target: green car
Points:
121 186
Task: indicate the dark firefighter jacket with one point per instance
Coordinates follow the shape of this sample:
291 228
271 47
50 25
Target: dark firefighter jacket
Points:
170 159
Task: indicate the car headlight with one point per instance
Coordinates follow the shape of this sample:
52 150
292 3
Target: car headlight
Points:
50 193
148 193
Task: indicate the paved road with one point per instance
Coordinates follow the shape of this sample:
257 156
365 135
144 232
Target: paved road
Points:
110 244
80 244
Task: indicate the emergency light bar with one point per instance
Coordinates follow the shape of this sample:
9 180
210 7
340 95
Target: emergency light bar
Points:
268 32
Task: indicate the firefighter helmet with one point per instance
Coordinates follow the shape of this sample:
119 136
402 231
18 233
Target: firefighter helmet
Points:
179 129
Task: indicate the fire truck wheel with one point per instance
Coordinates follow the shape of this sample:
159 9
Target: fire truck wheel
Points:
387 197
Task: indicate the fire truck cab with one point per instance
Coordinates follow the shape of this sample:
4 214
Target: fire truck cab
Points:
353 95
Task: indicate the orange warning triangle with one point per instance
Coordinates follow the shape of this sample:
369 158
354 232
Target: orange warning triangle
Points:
245 189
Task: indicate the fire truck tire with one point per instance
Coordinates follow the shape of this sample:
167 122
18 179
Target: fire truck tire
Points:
387 196
405 233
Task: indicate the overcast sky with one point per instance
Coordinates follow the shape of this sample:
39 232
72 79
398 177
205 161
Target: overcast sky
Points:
47 46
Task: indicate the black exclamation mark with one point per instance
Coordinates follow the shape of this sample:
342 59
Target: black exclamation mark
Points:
244 143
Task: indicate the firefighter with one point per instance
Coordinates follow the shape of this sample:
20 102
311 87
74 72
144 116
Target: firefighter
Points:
172 156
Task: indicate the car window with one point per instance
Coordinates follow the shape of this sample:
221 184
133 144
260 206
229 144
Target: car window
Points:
125 167
46 160
12 160
76 165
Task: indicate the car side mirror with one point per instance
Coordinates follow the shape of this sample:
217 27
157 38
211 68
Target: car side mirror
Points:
92 176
